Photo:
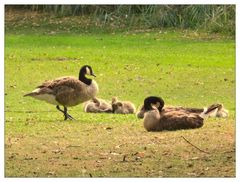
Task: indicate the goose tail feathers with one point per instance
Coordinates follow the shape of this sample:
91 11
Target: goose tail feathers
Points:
32 94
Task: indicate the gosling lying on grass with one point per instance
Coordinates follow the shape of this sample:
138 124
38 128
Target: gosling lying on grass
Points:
97 105
220 112
122 107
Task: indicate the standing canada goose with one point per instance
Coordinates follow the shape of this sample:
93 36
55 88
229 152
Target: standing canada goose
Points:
159 103
67 91
122 107
174 119
97 105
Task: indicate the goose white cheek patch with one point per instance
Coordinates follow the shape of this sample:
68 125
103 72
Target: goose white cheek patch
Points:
88 72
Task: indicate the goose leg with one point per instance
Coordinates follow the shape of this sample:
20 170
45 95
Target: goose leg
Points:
67 116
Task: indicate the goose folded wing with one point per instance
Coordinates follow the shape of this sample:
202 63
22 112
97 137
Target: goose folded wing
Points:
65 94
69 93
57 82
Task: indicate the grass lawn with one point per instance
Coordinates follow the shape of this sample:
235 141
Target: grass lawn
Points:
182 70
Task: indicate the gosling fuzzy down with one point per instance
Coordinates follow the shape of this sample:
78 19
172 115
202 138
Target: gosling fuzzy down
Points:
97 105
67 91
122 107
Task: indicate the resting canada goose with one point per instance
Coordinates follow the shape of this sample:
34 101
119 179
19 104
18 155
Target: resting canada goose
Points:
97 105
122 107
175 119
67 91
159 103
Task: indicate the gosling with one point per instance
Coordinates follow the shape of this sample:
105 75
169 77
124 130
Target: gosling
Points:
97 105
122 107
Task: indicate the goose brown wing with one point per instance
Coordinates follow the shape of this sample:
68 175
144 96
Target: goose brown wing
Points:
53 83
174 120
183 109
68 91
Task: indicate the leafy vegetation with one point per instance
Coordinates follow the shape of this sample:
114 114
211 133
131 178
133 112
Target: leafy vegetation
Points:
184 67
211 18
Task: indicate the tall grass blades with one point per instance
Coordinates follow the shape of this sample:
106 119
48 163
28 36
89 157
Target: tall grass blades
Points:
213 18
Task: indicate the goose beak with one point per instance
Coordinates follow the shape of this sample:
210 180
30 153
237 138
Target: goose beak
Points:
93 74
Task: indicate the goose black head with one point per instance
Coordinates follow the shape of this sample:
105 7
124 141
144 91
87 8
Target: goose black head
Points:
153 100
86 70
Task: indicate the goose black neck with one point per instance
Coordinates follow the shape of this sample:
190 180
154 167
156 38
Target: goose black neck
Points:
83 78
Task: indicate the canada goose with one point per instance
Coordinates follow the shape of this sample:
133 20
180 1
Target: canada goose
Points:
97 105
175 119
159 103
122 107
67 91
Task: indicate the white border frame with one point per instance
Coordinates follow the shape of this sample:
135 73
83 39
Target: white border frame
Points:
5 2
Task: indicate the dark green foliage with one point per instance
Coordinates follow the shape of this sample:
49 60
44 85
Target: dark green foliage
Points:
213 18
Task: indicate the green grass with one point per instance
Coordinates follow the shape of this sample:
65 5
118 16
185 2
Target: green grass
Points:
184 70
